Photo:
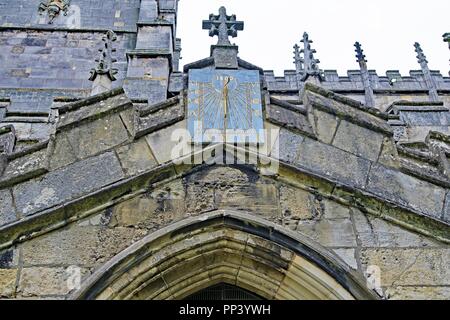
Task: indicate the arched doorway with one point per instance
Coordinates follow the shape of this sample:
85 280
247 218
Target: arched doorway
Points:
223 292
228 248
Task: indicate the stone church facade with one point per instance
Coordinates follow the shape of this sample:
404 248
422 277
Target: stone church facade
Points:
338 188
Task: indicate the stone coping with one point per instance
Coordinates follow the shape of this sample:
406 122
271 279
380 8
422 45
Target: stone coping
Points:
289 106
145 111
90 100
345 100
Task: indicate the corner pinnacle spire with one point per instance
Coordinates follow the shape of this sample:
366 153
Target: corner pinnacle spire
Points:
359 53
310 64
368 89
104 73
431 85
298 60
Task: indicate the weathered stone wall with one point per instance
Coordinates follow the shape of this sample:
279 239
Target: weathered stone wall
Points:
412 266
82 180
86 14
86 210
52 64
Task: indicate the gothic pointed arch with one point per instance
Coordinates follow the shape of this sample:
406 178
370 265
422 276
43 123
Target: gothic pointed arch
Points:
225 247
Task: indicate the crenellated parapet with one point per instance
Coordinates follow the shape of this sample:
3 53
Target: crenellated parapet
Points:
392 81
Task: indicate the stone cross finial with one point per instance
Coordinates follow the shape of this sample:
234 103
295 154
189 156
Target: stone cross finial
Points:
223 26
310 64
104 73
368 90
431 85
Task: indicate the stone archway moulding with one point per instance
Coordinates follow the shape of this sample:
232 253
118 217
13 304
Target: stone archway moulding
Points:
225 247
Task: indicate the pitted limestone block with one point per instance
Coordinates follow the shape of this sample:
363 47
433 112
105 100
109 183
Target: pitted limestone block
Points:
222 176
199 198
7 214
418 293
333 163
26 166
97 136
136 157
260 198
135 212
154 210
337 233
67 183
287 146
297 204
359 141
334 210
46 281
374 232
224 187
406 190
165 143
8 279
80 246
325 125
410 267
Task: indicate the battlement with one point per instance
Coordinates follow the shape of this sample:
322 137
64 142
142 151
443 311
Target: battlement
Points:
392 81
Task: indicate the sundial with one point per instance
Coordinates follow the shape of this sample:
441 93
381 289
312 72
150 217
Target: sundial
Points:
225 101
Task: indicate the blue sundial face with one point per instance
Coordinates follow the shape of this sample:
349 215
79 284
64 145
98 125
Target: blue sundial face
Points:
225 101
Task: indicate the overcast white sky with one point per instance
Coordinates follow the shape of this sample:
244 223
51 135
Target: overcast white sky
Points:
387 30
